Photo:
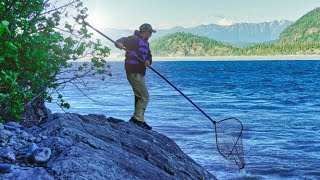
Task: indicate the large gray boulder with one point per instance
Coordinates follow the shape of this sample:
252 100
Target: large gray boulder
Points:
95 147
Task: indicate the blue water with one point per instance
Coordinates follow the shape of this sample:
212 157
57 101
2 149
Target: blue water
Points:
278 103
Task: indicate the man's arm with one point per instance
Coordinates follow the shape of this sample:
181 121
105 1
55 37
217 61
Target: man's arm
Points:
121 43
148 59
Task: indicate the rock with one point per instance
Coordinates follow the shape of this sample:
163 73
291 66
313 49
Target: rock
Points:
31 139
9 156
41 155
44 137
114 120
23 173
96 147
18 131
12 142
37 140
5 168
9 127
12 126
5 134
32 147
94 143
23 135
1 126
23 142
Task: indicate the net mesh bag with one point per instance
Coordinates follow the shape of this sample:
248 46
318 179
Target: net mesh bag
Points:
229 140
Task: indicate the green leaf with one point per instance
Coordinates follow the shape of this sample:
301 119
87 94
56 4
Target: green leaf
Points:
65 105
36 54
5 23
11 46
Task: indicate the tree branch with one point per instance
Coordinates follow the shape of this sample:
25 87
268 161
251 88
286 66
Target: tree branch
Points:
76 77
70 3
95 101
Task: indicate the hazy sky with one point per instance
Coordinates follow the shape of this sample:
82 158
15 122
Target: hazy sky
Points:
130 14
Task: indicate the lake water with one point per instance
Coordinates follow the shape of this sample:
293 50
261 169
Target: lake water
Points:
278 103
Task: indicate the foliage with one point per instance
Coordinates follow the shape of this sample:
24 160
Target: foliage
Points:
297 48
187 44
305 30
40 43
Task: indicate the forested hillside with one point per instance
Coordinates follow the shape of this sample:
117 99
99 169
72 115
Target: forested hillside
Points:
187 44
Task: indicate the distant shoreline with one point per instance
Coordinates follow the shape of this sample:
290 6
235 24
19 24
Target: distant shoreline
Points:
230 58
242 58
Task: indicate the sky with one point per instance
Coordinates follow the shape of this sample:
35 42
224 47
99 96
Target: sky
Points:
163 14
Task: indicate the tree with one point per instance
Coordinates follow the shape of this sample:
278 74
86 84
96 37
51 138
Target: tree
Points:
41 42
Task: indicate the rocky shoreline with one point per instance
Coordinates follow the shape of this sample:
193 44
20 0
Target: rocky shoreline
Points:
19 149
73 146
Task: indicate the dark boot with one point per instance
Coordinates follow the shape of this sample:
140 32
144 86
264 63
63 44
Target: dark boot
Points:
140 123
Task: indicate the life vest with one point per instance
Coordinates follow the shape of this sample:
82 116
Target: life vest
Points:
140 51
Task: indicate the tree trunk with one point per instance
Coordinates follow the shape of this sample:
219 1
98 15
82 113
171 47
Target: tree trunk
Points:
35 113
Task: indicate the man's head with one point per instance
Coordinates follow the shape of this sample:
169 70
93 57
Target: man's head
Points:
146 31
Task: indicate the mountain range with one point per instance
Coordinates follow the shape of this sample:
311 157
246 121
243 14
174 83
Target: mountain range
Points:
236 33
300 38
240 34
269 38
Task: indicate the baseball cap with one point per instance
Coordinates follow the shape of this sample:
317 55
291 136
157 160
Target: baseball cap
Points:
146 27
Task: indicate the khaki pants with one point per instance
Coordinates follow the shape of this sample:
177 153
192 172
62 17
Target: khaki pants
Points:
140 90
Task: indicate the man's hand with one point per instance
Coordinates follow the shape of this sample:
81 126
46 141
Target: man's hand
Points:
120 46
147 63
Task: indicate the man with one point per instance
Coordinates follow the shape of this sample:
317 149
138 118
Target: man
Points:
138 45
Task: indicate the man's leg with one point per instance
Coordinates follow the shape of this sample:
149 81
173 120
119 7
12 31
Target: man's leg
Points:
140 90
